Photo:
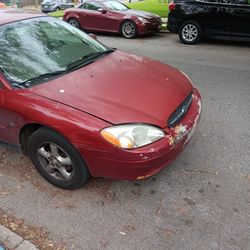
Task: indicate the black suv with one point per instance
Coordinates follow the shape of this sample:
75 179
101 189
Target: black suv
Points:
212 18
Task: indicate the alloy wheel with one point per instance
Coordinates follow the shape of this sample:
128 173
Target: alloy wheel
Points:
190 33
128 29
74 23
55 161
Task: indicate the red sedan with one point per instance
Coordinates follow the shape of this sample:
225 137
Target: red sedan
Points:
80 109
112 16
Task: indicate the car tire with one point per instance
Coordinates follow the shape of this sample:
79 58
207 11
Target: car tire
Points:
190 32
129 29
74 22
56 159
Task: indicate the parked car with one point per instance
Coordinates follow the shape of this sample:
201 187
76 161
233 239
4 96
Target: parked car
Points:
81 109
221 19
2 5
112 16
54 5
6 2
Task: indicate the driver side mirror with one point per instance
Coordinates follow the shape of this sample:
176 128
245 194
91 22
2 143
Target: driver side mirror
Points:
93 36
101 10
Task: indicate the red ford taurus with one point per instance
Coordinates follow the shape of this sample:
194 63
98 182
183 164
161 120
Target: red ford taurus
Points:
112 16
80 109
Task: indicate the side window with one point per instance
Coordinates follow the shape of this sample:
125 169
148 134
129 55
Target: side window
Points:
83 6
93 6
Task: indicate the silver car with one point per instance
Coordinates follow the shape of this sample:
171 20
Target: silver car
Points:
54 5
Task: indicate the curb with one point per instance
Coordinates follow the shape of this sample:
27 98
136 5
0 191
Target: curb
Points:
13 241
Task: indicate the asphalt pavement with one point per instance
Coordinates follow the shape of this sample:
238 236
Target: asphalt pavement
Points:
201 201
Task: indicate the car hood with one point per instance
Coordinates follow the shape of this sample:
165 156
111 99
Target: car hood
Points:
140 13
121 88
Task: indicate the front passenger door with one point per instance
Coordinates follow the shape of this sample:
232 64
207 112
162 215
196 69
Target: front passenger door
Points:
92 19
3 123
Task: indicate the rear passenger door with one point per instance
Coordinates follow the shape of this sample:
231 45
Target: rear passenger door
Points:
237 13
209 15
245 13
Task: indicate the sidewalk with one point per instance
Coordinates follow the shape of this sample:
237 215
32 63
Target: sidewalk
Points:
12 241
164 20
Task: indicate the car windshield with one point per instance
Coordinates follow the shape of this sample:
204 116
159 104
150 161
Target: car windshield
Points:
114 5
45 46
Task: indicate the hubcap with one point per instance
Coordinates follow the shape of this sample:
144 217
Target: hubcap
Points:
189 32
74 23
55 161
128 29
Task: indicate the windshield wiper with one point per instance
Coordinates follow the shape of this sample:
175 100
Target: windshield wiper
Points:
90 58
101 53
41 77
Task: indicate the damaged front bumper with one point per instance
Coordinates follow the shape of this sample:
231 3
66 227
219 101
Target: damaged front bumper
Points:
146 161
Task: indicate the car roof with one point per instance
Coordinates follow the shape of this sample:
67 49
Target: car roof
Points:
10 15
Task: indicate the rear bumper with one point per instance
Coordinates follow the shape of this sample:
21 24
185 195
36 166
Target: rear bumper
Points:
174 22
146 161
172 28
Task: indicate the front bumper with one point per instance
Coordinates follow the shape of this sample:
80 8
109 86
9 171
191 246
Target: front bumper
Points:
146 161
149 27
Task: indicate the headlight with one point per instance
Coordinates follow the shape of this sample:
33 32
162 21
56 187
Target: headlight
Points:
143 20
132 135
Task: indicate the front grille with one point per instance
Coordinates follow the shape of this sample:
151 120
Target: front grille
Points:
180 111
154 21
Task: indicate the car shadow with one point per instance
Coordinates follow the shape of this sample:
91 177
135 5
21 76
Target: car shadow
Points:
226 42
144 37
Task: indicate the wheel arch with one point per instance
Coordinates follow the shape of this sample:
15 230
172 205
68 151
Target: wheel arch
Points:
71 15
25 132
125 20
